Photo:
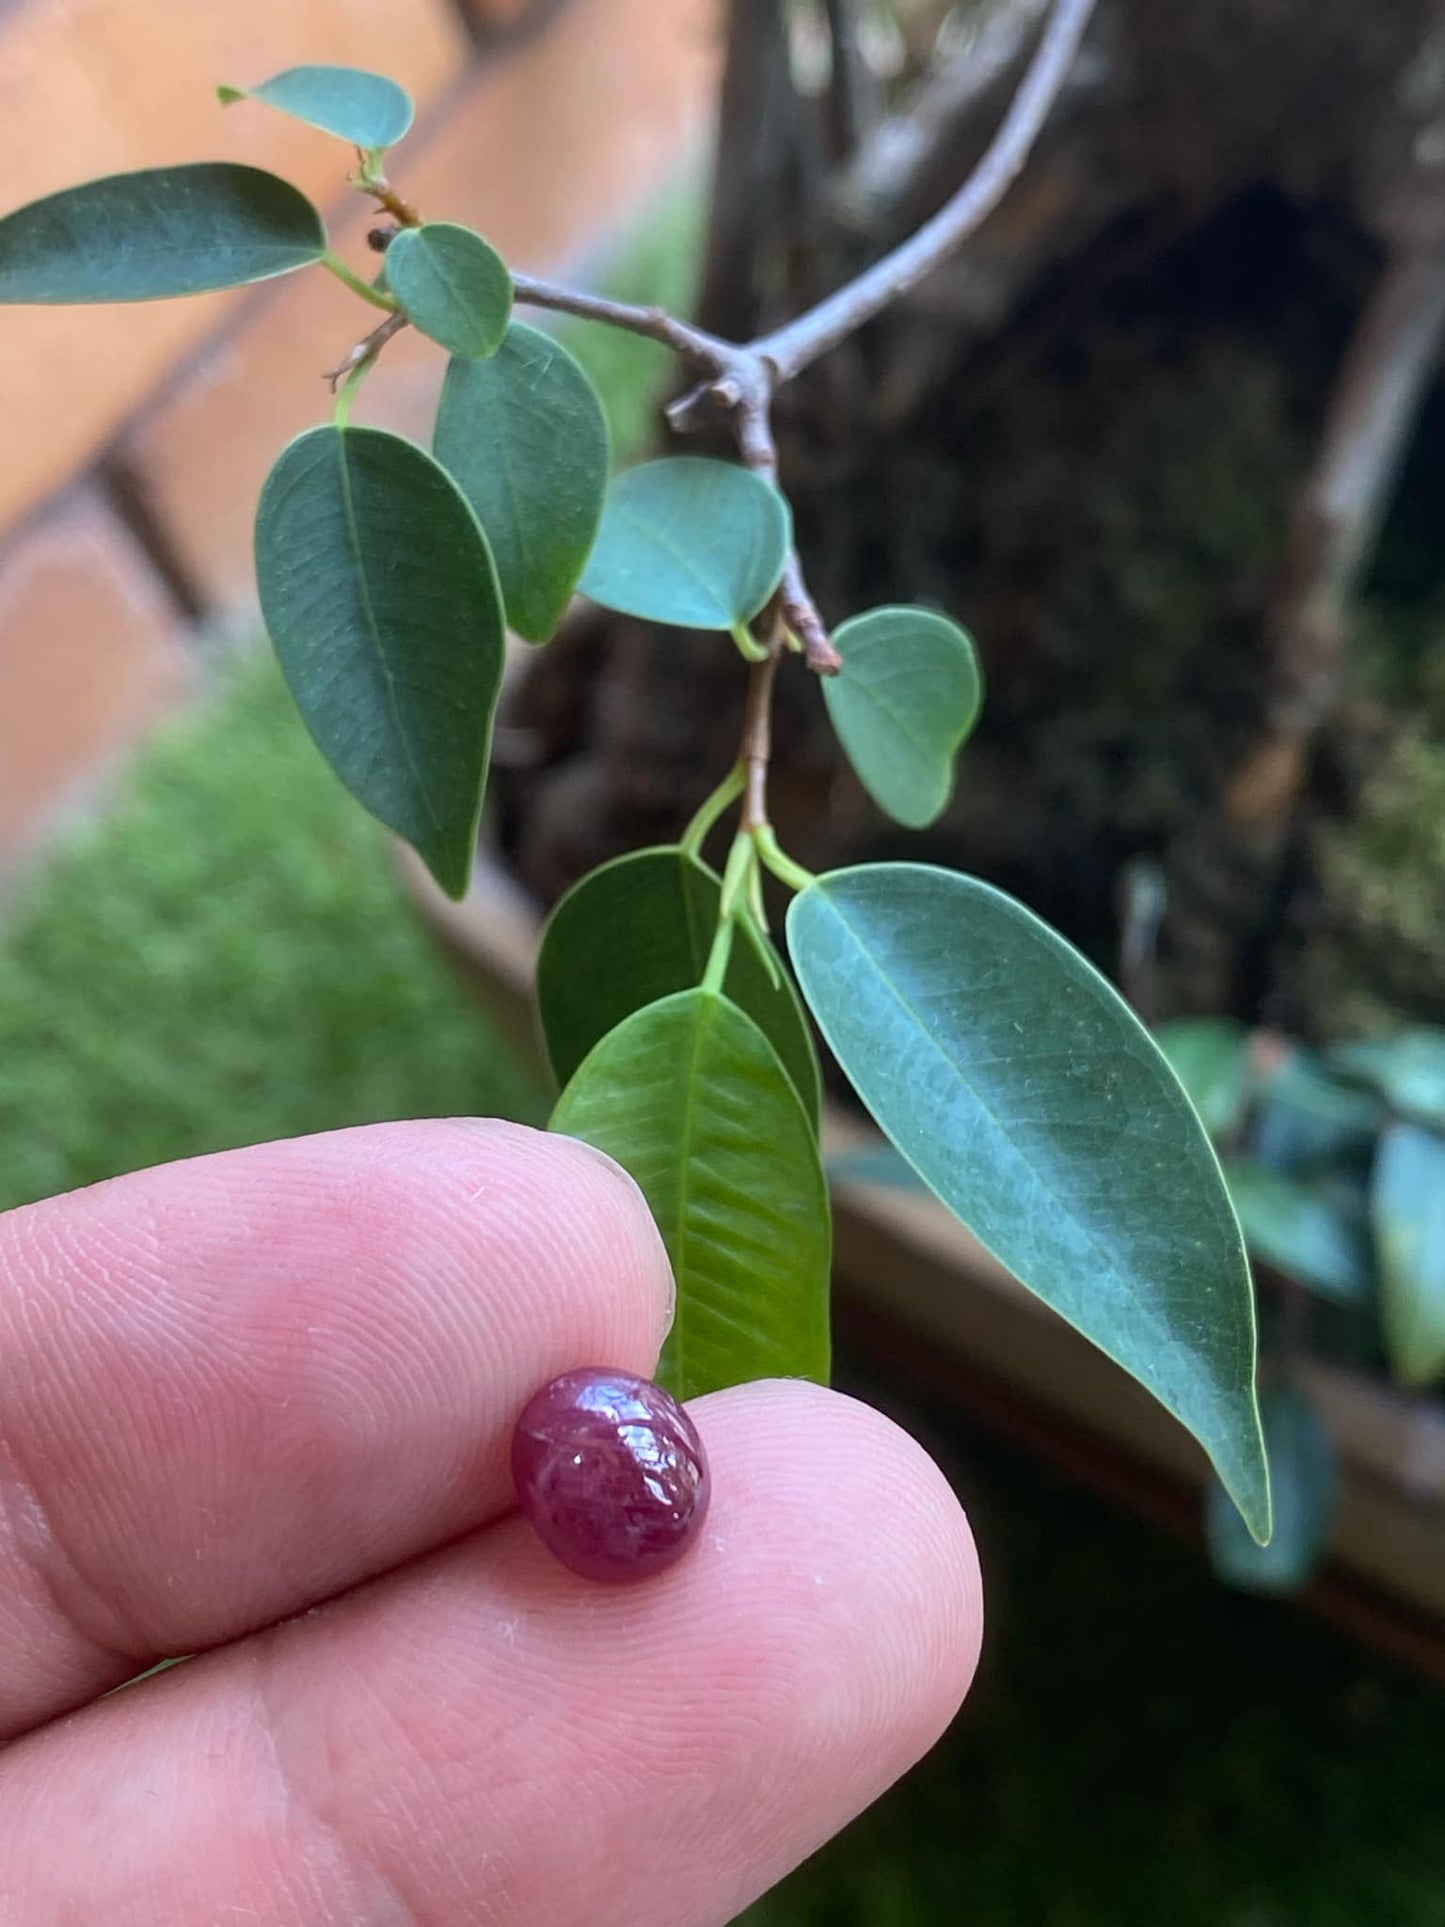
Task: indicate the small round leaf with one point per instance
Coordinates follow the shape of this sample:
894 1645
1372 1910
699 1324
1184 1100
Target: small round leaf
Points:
368 110
688 541
453 286
907 696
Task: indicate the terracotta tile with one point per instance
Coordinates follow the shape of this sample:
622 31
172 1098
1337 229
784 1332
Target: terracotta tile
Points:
91 652
90 87
554 143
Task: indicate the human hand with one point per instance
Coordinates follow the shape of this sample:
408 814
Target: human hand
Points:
236 1388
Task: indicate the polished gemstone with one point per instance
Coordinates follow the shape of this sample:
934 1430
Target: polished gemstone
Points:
610 1470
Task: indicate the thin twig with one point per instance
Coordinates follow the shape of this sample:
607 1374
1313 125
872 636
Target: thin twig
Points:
367 349
793 347
757 740
708 354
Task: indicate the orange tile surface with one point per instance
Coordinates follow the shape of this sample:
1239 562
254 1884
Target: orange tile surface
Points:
90 87
90 654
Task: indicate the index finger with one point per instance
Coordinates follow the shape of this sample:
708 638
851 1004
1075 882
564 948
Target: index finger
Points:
236 1386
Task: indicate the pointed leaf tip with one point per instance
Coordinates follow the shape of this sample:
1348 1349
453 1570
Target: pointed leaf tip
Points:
363 108
383 606
1029 1097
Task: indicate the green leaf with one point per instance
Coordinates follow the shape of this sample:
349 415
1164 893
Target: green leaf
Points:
1307 1120
1407 1202
380 596
1304 1481
907 696
368 110
691 1099
1026 1093
1408 1070
1211 1058
638 929
453 286
524 436
161 232
697 543
1301 1230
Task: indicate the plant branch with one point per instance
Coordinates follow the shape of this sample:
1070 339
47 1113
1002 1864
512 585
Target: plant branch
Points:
349 278
366 351
757 742
708 354
796 345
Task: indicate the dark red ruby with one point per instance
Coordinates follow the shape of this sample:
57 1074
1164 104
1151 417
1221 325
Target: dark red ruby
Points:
610 1470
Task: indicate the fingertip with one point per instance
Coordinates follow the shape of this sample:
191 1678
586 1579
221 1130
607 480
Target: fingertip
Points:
611 1221
865 1513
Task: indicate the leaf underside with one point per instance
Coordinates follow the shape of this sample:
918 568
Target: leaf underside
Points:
688 541
1032 1101
366 109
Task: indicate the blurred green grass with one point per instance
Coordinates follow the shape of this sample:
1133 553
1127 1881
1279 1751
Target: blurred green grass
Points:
226 957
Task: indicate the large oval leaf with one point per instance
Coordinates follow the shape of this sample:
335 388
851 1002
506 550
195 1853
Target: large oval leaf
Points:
1407 1204
524 435
163 231
638 929
1026 1093
697 543
690 1098
905 699
453 286
383 604
1304 1483
366 109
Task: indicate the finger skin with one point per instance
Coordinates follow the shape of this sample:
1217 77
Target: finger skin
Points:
482 1738
236 1386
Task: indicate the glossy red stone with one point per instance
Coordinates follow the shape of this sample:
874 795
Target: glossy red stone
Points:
610 1470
